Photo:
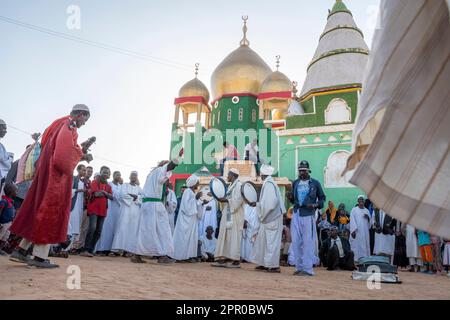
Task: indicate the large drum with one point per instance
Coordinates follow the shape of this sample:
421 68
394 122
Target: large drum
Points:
250 192
218 188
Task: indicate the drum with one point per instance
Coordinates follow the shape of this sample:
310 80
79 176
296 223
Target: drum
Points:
218 188
250 192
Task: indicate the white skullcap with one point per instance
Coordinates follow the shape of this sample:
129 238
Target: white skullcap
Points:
235 171
2 122
192 181
80 107
361 197
267 170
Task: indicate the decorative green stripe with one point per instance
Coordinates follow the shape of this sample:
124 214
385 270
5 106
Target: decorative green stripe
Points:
338 51
151 200
342 26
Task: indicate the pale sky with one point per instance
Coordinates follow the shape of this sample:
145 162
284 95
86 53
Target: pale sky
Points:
131 100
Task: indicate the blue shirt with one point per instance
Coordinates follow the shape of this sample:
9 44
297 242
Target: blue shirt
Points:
302 191
423 238
7 210
305 194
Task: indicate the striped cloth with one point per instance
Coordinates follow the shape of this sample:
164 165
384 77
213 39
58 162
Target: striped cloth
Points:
401 140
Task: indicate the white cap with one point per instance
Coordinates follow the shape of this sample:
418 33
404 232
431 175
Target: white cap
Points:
192 181
235 171
80 107
267 170
361 197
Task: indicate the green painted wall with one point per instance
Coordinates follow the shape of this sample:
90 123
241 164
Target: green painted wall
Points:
318 119
249 111
317 154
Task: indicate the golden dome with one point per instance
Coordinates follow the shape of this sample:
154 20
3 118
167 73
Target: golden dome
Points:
242 71
194 88
278 115
276 82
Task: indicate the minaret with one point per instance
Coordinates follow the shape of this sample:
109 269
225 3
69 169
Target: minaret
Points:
341 55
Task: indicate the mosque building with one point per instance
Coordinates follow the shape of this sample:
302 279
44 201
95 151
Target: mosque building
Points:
250 98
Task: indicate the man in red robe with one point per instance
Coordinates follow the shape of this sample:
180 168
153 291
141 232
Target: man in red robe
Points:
44 215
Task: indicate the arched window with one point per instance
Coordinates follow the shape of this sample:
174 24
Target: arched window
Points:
338 111
229 115
336 164
241 114
253 115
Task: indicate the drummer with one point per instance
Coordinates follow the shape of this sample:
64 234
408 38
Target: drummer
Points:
228 248
270 209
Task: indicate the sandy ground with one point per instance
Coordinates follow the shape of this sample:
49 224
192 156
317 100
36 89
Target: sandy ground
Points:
118 278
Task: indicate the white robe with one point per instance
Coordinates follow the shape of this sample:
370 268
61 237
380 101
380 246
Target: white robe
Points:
125 237
270 209
231 225
412 244
209 218
171 207
208 246
77 212
185 236
359 222
111 221
384 243
249 234
154 234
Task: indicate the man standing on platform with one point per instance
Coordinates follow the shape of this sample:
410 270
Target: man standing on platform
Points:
44 215
307 196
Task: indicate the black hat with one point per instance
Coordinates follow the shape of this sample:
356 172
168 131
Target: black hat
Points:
304 165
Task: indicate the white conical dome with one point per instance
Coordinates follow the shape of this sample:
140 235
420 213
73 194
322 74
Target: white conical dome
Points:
341 55
295 109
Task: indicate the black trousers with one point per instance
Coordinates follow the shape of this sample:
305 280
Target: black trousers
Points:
333 260
94 232
372 240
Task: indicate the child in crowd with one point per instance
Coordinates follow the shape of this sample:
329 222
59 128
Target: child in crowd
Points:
343 219
286 241
208 245
426 250
7 213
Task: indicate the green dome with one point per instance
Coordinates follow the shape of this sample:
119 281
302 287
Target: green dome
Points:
339 6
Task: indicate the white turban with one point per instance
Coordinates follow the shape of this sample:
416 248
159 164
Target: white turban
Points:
192 181
267 170
235 171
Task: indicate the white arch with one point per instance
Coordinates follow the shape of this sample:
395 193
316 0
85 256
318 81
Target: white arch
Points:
336 164
338 111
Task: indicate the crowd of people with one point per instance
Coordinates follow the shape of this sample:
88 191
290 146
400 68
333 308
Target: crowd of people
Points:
46 211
